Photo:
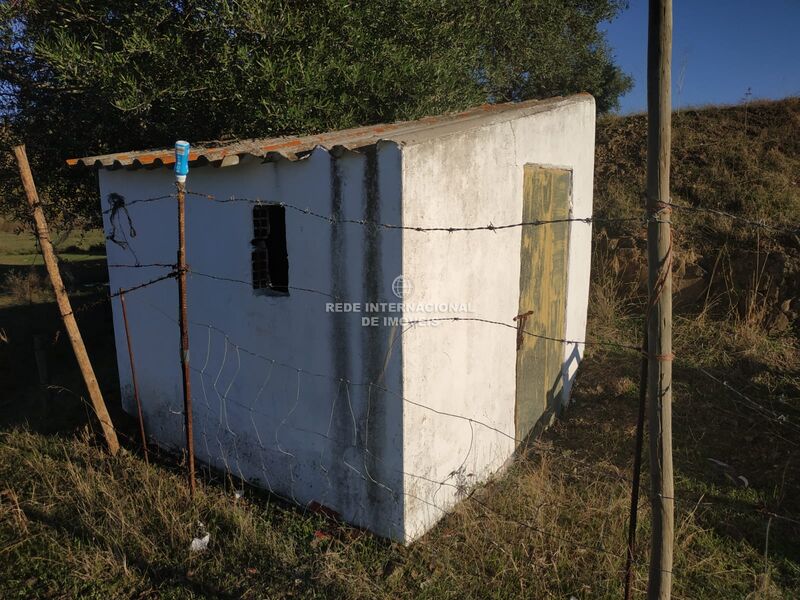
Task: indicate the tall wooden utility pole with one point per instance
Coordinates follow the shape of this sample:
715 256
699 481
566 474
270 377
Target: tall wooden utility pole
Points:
659 310
64 306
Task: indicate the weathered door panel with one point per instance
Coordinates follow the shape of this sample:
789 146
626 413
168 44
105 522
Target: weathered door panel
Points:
543 294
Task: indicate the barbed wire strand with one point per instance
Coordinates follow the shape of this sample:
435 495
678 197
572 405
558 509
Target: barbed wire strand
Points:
451 229
759 224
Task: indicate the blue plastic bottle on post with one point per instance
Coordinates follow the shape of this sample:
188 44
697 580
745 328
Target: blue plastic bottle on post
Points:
181 160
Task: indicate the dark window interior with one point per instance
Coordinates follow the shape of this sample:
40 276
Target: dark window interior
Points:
270 260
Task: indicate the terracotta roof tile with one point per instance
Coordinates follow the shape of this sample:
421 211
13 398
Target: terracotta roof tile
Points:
294 148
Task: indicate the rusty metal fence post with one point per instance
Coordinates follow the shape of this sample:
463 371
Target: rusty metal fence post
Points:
133 376
637 471
181 170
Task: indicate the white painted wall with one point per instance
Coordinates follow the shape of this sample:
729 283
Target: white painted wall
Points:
296 433
282 389
473 178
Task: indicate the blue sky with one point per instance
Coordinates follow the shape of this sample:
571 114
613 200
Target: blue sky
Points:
720 48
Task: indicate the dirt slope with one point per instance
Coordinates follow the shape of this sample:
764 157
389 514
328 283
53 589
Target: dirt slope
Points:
741 159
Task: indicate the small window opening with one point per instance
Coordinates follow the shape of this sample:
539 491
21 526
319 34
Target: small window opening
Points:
269 258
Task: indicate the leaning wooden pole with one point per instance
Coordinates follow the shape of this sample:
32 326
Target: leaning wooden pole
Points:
659 313
64 306
181 170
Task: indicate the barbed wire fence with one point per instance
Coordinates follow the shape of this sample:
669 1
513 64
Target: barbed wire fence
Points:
248 444
230 426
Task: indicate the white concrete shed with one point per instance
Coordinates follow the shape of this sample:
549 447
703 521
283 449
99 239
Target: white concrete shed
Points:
320 368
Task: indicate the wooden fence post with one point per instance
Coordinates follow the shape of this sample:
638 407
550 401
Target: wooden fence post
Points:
64 306
659 310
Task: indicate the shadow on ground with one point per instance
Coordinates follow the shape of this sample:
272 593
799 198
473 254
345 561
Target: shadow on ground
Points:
735 457
60 406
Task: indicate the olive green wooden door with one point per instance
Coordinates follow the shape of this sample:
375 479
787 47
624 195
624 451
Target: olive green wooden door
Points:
543 295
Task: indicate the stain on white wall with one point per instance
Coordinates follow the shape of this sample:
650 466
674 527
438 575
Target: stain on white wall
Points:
467 368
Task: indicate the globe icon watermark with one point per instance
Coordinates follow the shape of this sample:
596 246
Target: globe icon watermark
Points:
394 314
401 287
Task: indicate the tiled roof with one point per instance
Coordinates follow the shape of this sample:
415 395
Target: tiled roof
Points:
294 148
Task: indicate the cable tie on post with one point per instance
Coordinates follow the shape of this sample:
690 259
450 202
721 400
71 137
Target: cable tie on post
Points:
659 206
662 207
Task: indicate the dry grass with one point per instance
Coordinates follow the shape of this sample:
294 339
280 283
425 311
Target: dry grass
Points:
75 523
78 523
717 162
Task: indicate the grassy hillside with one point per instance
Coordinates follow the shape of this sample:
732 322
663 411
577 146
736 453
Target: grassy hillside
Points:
743 159
74 523
740 159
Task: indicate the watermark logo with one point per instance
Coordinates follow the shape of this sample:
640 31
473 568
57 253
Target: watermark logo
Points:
402 312
402 287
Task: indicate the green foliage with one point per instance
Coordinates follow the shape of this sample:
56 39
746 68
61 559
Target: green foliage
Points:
93 76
